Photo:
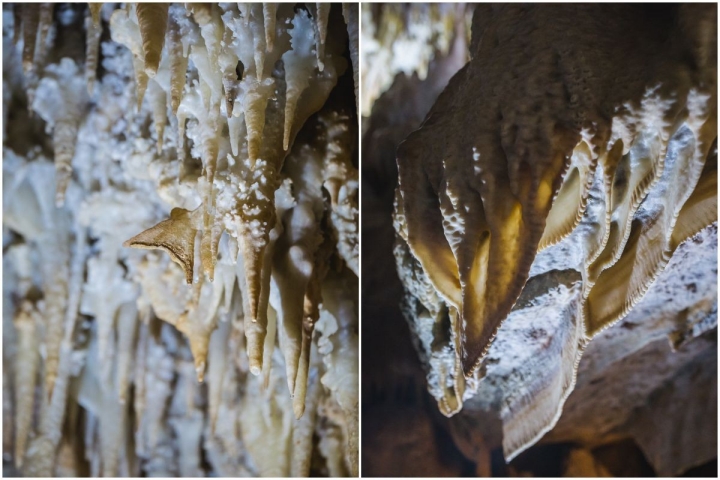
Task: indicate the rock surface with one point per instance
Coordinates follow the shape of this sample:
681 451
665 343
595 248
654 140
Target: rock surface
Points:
650 364
221 137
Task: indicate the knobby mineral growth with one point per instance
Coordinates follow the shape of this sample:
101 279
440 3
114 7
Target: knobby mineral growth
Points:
180 239
588 161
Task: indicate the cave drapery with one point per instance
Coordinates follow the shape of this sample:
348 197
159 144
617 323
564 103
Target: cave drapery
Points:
540 199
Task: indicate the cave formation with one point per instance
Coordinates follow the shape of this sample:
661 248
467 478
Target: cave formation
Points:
556 225
180 243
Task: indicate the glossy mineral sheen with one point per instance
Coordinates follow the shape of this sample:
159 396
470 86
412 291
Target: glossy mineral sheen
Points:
591 160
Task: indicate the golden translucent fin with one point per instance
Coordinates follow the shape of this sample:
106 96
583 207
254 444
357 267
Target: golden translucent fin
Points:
700 209
451 401
636 173
427 240
176 236
491 222
595 242
649 245
141 80
569 205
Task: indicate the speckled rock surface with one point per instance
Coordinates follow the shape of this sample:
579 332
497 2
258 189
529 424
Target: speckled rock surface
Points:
469 250
542 383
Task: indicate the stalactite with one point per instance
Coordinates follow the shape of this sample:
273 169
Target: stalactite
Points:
310 316
125 30
94 30
257 26
298 67
26 323
152 21
580 188
217 365
303 432
320 12
158 100
179 28
130 333
30 20
45 22
269 18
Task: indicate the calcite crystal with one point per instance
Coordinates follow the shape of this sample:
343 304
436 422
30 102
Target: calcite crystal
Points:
550 184
180 287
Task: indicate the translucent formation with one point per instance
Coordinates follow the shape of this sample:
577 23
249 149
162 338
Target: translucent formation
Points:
198 173
269 19
176 236
178 57
559 157
152 20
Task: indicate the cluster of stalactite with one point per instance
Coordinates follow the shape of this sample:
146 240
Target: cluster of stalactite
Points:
225 341
596 156
405 39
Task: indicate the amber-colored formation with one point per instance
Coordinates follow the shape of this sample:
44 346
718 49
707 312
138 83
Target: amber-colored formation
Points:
195 110
543 113
176 236
593 159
